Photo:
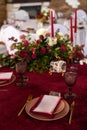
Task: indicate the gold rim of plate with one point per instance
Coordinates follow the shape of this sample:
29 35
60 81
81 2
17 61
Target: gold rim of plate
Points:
5 82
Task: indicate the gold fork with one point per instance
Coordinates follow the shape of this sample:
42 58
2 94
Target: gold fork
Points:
28 99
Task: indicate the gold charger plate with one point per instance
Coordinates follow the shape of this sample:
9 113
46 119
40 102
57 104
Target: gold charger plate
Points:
61 111
7 82
2 81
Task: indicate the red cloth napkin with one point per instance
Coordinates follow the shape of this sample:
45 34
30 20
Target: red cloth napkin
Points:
46 105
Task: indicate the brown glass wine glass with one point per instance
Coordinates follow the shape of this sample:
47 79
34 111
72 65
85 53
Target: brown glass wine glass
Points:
20 69
70 78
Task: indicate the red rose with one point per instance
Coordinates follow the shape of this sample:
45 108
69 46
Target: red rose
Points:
24 54
25 42
33 50
38 41
63 48
34 56
40 16
43 50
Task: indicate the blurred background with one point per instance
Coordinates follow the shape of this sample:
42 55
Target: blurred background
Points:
34 7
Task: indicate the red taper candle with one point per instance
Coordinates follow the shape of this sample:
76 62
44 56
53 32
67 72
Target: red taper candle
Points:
75 21
71 29
52 23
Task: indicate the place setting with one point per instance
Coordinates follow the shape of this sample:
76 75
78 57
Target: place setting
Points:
6 78
47 107
54 106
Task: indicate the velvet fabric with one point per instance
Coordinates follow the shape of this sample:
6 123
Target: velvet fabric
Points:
12 100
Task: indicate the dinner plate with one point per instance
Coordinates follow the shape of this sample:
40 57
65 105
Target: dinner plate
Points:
61 111
7 82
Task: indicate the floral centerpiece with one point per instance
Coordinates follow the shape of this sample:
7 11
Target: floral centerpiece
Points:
43 16
40 52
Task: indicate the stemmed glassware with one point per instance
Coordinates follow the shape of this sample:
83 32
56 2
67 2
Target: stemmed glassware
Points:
21 69
70 79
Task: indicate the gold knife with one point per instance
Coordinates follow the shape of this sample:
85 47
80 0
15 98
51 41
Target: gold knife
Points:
28 99
71 112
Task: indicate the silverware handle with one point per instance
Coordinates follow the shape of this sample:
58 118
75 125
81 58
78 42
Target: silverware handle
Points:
71 112
28 99
21 110
70 118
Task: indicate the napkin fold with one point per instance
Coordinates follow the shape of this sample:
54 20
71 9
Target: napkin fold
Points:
6 75
46 105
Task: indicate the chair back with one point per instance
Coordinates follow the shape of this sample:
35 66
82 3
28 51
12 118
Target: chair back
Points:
3 49
21 15
59 27
81 14
8 32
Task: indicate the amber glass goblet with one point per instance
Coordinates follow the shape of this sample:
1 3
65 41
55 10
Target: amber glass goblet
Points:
70 79
21 69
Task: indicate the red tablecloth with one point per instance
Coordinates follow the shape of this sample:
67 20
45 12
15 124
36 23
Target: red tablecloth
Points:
13 99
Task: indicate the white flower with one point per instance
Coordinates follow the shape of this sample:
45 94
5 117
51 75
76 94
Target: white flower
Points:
61 38
52 41
70 47
60 34
41 31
